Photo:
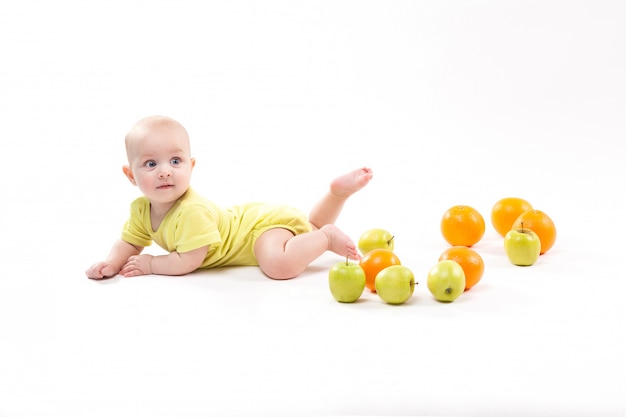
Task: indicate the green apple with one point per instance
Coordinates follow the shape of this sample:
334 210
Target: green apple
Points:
395 284
375 239
446 280
522 246
346 281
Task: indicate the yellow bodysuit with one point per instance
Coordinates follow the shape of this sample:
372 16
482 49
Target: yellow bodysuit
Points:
194 222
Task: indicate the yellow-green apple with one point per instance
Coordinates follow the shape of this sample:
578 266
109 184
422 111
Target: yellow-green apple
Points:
446 280
375 239
346 281
522 246
395 284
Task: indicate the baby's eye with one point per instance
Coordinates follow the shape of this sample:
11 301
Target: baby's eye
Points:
150 164
175 161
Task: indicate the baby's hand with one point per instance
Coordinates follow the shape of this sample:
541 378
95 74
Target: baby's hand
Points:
137 265
101 270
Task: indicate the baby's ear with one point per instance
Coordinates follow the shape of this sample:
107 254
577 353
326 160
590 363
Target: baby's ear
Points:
129 174
193 162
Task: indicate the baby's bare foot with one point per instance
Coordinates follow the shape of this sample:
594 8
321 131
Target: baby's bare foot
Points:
351 182
340 243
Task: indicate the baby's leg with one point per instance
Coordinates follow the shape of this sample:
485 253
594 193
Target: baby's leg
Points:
281 255
328 208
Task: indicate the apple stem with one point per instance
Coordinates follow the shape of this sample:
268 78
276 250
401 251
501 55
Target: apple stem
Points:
347 263
522 224
389 241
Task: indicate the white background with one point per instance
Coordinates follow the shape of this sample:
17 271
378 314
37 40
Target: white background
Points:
450 102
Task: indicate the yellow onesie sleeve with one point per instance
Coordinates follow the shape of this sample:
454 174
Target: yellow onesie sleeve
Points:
136 230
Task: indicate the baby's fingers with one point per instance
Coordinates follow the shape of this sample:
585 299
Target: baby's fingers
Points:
100 270
131 269
95 271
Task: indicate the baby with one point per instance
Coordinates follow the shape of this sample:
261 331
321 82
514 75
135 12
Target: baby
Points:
197 233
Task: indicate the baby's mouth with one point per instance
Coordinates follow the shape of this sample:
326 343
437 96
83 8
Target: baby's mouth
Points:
165 186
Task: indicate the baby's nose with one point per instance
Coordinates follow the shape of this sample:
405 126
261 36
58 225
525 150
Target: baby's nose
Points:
164 173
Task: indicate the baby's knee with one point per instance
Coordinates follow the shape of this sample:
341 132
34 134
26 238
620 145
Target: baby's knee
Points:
279 272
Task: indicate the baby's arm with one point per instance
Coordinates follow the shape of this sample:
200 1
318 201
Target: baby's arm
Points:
174 263
119 255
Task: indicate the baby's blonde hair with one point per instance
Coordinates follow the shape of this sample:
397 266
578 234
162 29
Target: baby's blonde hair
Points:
145 125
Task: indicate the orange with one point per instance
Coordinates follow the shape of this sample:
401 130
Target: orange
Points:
471 262
375 261
540 223
506 211
462 226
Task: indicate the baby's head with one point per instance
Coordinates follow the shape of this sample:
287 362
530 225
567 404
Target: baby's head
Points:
159 158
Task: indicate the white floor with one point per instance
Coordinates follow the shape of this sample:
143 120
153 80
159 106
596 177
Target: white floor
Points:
449 102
